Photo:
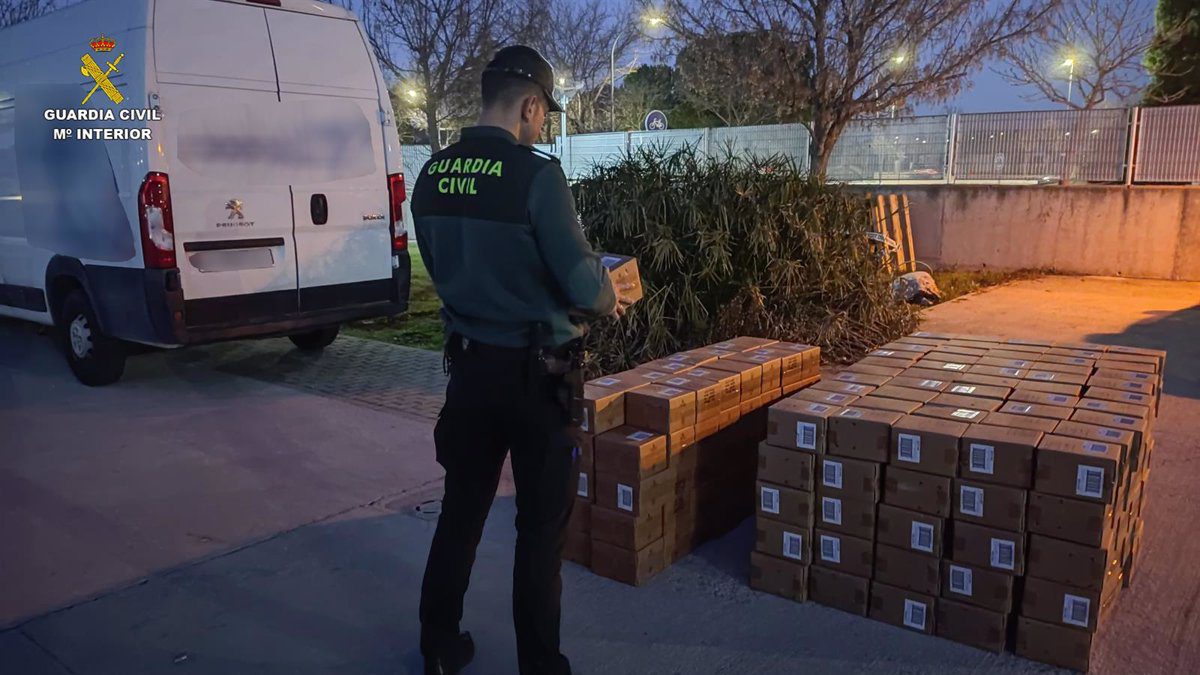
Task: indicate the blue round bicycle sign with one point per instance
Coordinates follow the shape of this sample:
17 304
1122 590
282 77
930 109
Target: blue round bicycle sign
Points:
656 120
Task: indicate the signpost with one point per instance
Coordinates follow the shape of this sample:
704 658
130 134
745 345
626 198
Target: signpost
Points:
656 120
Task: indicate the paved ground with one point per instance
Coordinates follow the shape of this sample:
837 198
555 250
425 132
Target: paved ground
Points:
105 486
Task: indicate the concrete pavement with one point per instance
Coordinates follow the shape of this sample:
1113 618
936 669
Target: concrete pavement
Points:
339 595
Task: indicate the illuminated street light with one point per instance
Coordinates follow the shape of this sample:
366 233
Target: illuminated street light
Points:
654 20
1070 65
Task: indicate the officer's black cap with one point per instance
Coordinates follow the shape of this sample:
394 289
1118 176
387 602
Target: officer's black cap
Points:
525 63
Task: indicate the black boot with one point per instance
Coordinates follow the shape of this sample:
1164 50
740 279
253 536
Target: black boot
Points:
451 657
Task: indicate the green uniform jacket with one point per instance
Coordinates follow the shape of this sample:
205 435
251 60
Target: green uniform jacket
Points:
497 229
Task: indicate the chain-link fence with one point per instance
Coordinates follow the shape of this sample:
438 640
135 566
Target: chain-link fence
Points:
1076 145
1168 145
903 149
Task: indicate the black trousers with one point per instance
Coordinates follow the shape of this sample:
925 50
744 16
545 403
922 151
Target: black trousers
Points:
496 405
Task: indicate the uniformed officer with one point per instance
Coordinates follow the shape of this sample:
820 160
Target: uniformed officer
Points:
497 229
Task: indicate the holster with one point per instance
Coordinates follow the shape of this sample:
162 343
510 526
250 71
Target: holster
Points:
564 367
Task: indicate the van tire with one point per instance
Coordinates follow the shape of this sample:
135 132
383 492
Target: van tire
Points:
315 341
95 358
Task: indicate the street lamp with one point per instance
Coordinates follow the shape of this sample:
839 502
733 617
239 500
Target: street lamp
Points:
1070 64
654 20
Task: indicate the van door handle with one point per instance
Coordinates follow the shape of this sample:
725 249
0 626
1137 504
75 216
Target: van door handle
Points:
319 207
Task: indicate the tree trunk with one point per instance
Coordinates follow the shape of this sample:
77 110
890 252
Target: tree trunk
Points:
431 125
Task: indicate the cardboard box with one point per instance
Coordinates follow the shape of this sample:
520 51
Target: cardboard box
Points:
1043 398
786 466
630 567
749 374
861 433
1077 468
915 394
1056 645
1061 604
847 478
1138 426
873 402
1123 384
997 371
917 491
661 408
867 369
854 377
852 388
745 343
620 494
799 424
997 506
964 401
729 385
985 391
782 540
1116 407
586 466
785 504
971 625
1052 387
1042 424
904 345
989 380
1055 377
1069 563
943 412
1054 367
667 365
772 367
907 569
626 530
1001 455
603 409
1006 360
839 590
623 270
908 356
902 608
884 362
630 454
977 586
926 444
1095 432
1054 412
780 577
920 383
1081 353
709 397
832 398
910 530
730 417
952 351
1067 360
844 553
989 548
854 517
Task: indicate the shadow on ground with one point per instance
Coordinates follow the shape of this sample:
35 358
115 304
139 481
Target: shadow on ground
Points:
1164 331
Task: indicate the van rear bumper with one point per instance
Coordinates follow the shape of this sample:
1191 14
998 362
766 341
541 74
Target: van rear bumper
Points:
148 306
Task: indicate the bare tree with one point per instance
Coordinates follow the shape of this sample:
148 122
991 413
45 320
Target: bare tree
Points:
579 42
1089 54
438 48
15 11
864 56
745 78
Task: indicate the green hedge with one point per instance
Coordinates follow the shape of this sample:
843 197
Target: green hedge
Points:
736 246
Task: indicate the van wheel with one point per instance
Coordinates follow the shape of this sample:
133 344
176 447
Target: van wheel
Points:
95 358
315 340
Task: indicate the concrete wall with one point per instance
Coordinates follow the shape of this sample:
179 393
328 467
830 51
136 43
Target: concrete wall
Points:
1146 232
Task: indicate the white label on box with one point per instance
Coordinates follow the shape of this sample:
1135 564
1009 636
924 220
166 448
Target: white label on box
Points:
1125 420
971 501
960 580
1078 361
845 377
954 366
760 358
1139 376
1058 398
793 546
1076 610
677 357
806 435
831 510
624 497
1096 447
654 375
1011 372
921 537
1089 482
831 549
770 500
723 345
883 352
677 381
914 614
837 398
817 407
1042 375
583 426
1021 363
1004 554
1132 385
965 414
931 384
1110 433
583 485
850 412
983 458
831 474
1134 398
609 260
671 391
962 389
607 381
1094 405
640 436
910 448
1021 408
856 388
701 372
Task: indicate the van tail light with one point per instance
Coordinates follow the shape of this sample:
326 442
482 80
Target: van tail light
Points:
158 226
396 199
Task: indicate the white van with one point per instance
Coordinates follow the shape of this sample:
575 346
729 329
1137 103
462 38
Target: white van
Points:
236 174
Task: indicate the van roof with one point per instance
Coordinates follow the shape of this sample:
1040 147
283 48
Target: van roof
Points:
131 8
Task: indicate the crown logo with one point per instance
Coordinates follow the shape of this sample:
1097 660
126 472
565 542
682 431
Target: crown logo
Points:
103 44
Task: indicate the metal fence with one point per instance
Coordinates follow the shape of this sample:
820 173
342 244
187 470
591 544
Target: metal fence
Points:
1017 147
1168 145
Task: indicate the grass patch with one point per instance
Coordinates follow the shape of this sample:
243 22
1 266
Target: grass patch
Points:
420 326
955 283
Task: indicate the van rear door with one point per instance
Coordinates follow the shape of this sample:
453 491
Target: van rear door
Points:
227 155
340 189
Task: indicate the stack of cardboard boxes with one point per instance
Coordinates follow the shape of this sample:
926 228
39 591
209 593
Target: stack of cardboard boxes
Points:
667 455
988 491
